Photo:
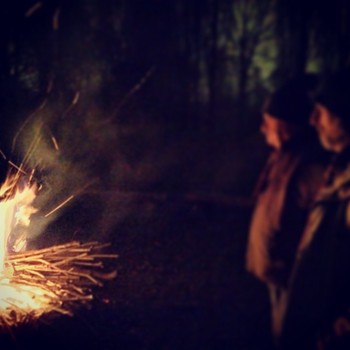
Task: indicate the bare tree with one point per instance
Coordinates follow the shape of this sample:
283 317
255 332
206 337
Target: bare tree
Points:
248 25
331 35
293 28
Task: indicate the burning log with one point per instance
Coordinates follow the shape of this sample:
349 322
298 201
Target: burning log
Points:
54 279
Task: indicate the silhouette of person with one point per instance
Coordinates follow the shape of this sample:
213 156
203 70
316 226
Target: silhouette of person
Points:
316 306
285 190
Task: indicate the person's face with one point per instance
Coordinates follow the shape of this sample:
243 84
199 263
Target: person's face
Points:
276 131
331 133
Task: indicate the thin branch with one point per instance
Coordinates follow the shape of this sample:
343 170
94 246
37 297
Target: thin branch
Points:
57 279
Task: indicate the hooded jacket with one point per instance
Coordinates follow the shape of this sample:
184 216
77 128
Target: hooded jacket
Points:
317 305
284 195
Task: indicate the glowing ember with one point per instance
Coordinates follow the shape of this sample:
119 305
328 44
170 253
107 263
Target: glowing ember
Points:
26 298
15 211
51 279
41 281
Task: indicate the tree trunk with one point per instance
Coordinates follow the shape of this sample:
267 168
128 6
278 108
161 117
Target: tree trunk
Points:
213 63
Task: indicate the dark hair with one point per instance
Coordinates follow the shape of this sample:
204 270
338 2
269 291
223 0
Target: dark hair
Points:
292 102
334 94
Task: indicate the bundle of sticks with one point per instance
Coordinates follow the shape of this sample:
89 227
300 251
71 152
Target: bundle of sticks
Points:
53 279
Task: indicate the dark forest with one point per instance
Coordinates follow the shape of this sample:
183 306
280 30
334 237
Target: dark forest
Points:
182 82
157 103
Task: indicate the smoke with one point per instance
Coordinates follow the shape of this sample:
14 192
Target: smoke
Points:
71 151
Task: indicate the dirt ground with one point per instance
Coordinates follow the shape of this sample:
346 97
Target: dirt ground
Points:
181 284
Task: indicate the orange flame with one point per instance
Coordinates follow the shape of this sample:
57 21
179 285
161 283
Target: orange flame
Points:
16 208
24 297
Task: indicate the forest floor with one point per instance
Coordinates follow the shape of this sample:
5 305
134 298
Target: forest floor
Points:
181 284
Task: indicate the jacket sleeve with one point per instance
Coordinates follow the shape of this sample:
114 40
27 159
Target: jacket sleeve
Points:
310 180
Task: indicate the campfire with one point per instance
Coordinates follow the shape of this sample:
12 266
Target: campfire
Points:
44 281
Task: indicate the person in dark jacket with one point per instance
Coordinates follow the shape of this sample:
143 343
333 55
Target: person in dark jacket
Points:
285 191
317 304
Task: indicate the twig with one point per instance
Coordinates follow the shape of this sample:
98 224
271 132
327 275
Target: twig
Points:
56 279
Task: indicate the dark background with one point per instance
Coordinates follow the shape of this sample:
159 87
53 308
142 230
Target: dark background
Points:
180 82
157 103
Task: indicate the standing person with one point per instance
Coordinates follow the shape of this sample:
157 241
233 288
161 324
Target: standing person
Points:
285 191
317 304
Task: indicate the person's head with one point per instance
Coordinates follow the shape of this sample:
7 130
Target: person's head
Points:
276 131
286 114
331 117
